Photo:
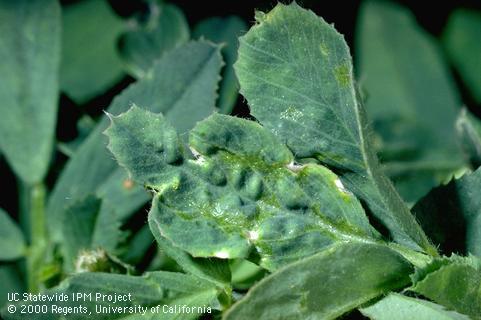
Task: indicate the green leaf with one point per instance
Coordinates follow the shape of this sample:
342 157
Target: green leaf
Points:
403 89
11 282
138 245
146 42
90 62
30 55
78 226
85 125
295 71
468 128
398 307
461 39
451 214
243 190
182 86
90 224
139 293
211 269
12 242
326 285
454 284
224 31
245 274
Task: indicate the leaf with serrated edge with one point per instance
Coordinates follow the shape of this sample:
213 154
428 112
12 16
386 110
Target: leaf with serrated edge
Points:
398 307
183 86
455 284
152 289
326 285
242 191
224 31
12 242
295 71
165 29
30 59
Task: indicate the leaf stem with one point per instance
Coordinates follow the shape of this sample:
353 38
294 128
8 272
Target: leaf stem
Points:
33 210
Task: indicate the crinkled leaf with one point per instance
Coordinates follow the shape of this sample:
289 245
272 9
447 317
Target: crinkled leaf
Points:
461 39
295 71
454 284
325 285
468 128
30 58
90 62
182 86
417 145
399 307
241 192
164 29
12 242
224 31
152 289
451 214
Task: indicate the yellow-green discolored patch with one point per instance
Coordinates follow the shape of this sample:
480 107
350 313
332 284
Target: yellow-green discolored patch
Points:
324 49
343 75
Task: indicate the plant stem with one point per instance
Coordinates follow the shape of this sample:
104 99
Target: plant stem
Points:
33 207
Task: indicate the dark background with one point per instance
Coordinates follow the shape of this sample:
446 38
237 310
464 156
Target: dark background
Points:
432 16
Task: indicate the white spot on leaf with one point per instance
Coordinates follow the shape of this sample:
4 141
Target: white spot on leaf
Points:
222 255
341 187
294 167
253 235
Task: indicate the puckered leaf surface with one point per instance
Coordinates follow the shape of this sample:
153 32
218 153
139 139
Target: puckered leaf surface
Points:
325 285
295 71
152 289
182 85
240 191
30 59
399 307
